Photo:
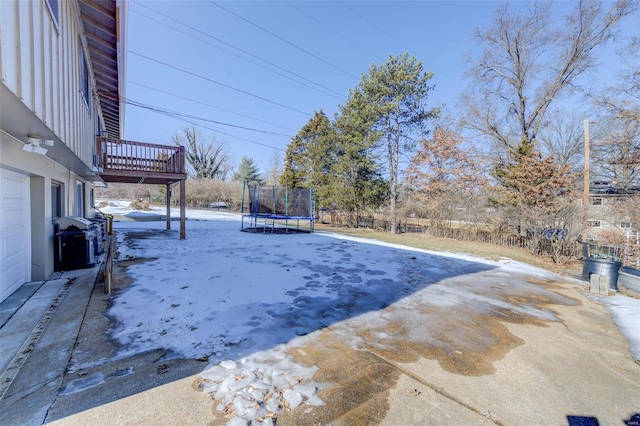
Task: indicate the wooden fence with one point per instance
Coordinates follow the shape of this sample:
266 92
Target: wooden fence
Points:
559 249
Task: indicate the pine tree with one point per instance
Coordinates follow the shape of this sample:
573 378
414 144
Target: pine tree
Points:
395 95
357 184
247 171
309 157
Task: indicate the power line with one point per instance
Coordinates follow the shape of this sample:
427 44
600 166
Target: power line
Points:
218 83
186 120
194 117
207 105
286 41
347 6
339 95
302 12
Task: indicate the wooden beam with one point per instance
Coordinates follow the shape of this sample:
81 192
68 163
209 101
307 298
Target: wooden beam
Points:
104 69
168 206
108 28
102 42
95 52
183 228
105 79
98 7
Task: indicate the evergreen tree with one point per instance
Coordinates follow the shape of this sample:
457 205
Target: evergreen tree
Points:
356 180
309 157
294 164
306 156
247 171
394 97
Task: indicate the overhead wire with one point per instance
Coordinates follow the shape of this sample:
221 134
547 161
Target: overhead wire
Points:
333 93
194 121
373 25
185 117
285 41
194 117
218 83
207 105
342 36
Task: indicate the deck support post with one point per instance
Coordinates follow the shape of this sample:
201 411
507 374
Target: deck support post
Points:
168 206
183 231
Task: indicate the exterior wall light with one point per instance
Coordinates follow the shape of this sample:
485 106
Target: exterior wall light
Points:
34 145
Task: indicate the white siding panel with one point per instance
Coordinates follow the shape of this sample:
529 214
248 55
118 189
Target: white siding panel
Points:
25 25
42 67
9 44
38 60
55 102
64 73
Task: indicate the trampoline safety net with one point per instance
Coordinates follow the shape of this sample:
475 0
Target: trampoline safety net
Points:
278 208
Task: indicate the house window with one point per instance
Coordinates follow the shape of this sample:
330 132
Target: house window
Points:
54 10
595 201
595 224
625 225
56 200
84 78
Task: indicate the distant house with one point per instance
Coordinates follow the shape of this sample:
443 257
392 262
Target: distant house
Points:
606 210
62 84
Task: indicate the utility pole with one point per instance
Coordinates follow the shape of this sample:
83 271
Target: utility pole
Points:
585 193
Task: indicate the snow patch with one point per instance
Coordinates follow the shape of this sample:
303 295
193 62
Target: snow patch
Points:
259 388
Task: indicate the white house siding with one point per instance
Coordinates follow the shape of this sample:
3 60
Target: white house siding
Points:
41 171
41 94
608 216
41 66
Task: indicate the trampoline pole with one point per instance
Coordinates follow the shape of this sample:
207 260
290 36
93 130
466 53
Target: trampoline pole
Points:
275 204
256 208
244 183
312 200
286 209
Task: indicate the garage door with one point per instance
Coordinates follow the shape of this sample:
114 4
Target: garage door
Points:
14 232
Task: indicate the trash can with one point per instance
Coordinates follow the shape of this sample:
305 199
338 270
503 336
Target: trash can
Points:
602 260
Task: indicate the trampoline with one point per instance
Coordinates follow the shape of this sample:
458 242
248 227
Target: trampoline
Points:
277 209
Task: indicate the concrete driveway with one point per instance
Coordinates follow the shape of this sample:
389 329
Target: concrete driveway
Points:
503 369
491 346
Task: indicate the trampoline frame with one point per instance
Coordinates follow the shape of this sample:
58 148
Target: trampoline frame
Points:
276 214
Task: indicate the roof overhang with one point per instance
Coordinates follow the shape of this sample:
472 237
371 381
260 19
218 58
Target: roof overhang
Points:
105 23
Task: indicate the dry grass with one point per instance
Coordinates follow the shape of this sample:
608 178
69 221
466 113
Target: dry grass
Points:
485 250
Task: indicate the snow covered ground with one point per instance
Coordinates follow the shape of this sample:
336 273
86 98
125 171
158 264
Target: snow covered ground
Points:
242 299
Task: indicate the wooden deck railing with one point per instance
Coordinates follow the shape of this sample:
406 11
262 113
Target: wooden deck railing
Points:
123 155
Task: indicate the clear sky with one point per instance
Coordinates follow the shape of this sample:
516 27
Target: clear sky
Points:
267 65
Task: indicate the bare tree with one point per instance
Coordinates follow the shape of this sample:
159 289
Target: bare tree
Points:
275 168
444 176
617 153
206 158
622 99
526 64
563 139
